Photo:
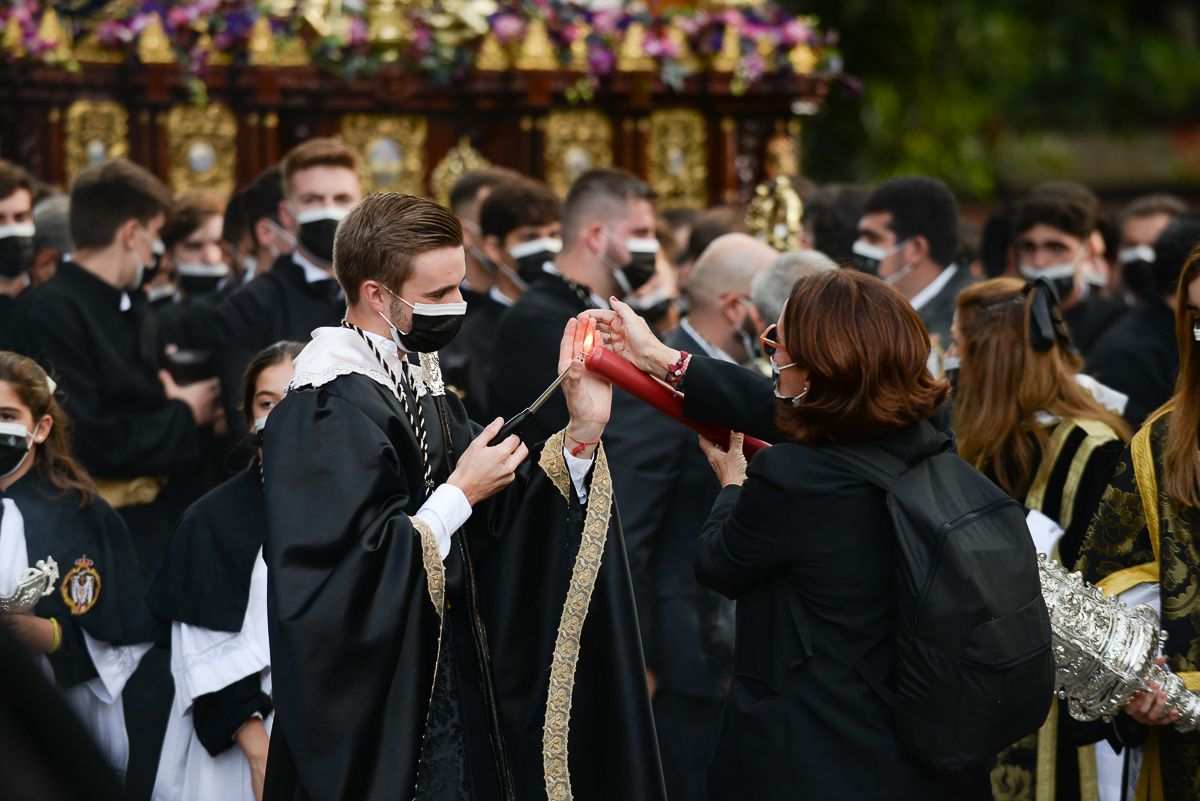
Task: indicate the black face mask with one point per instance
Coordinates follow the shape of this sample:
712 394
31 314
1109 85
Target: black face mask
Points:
14 447
16 249
434 325
532 256
197 280
317 228
643 254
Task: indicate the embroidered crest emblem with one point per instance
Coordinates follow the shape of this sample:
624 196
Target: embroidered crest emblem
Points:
81 586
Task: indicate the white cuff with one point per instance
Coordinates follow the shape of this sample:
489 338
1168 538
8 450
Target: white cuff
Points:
114 665
445 512
579 469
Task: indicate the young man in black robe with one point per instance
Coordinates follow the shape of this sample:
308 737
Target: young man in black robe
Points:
378 488
298 294
16 239
137 432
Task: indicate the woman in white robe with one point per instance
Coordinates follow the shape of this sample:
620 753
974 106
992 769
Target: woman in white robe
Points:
212 585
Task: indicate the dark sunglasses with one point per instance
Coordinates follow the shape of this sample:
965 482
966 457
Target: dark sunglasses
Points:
769 345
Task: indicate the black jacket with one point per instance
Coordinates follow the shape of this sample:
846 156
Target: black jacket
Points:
1138 356
938 311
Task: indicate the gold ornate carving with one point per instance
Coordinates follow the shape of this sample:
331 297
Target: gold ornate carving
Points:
684 53
632 56
202 147
51 30
579 48
492 56
387 27
153 45
97 130
576 141
89 50
775 215
461 159
392 148
731 51
268 51
678 158
537 53
556 729
270 120
782 158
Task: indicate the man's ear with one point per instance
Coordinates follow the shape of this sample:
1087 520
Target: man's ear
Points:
493 250
285 218
126 237
373 294
918 250
594 237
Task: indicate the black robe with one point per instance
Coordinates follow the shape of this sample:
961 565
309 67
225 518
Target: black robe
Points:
466 360
354 573
204 580
1138 356
276 305
56 526
106 364
1088 320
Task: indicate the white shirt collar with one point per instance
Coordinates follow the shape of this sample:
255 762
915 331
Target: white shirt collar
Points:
126 303
312 273
495 294
387 344
934 287
708 348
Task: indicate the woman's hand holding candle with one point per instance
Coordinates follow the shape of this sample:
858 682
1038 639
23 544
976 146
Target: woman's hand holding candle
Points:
626 333
588 395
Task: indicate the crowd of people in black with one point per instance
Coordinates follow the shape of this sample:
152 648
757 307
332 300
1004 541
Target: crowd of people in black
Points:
145 338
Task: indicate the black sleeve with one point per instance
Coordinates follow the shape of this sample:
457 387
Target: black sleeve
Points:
145 437
217 716
72 664
750 531
730 396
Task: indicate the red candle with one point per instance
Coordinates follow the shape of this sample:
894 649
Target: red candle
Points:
650 390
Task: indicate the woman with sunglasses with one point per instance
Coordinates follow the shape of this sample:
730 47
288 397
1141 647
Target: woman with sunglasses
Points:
798 537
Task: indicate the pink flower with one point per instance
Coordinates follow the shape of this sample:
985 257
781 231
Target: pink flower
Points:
605 22
794 32
753 67
507 27
689 25
177 17
422 38
733 18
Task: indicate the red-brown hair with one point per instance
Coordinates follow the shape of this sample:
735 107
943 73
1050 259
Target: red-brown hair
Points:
319 152
865 350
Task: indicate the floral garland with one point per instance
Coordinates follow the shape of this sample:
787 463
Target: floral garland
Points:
445 43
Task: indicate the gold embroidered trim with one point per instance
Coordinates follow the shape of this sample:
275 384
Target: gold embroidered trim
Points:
1097 434
1089 783
1036 496
557 728
555 466
435 570
1147 484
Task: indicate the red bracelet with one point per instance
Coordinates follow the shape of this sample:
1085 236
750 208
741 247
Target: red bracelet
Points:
580 446
675 372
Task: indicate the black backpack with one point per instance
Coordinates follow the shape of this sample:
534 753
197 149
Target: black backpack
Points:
974 671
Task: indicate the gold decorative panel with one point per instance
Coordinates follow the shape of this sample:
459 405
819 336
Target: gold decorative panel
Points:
776 214
577 140
202 143
461 159
97 130
392 150
679 158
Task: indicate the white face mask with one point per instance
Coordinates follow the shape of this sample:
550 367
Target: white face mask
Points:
1136 253
870 257
1196 331
259 424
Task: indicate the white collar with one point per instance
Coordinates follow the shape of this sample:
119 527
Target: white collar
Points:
335 351
708 348
934 287
386 343
1106 396
126 303
312 273
495 294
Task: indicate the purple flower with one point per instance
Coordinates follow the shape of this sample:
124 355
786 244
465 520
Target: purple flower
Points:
600 60
605 23
507 27
794 32
753 67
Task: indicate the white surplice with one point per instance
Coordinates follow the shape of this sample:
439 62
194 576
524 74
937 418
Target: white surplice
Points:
204 661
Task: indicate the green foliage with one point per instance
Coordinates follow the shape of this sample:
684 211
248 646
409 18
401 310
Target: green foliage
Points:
947 83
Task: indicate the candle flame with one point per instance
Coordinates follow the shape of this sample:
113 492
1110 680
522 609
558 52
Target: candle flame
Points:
587 344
